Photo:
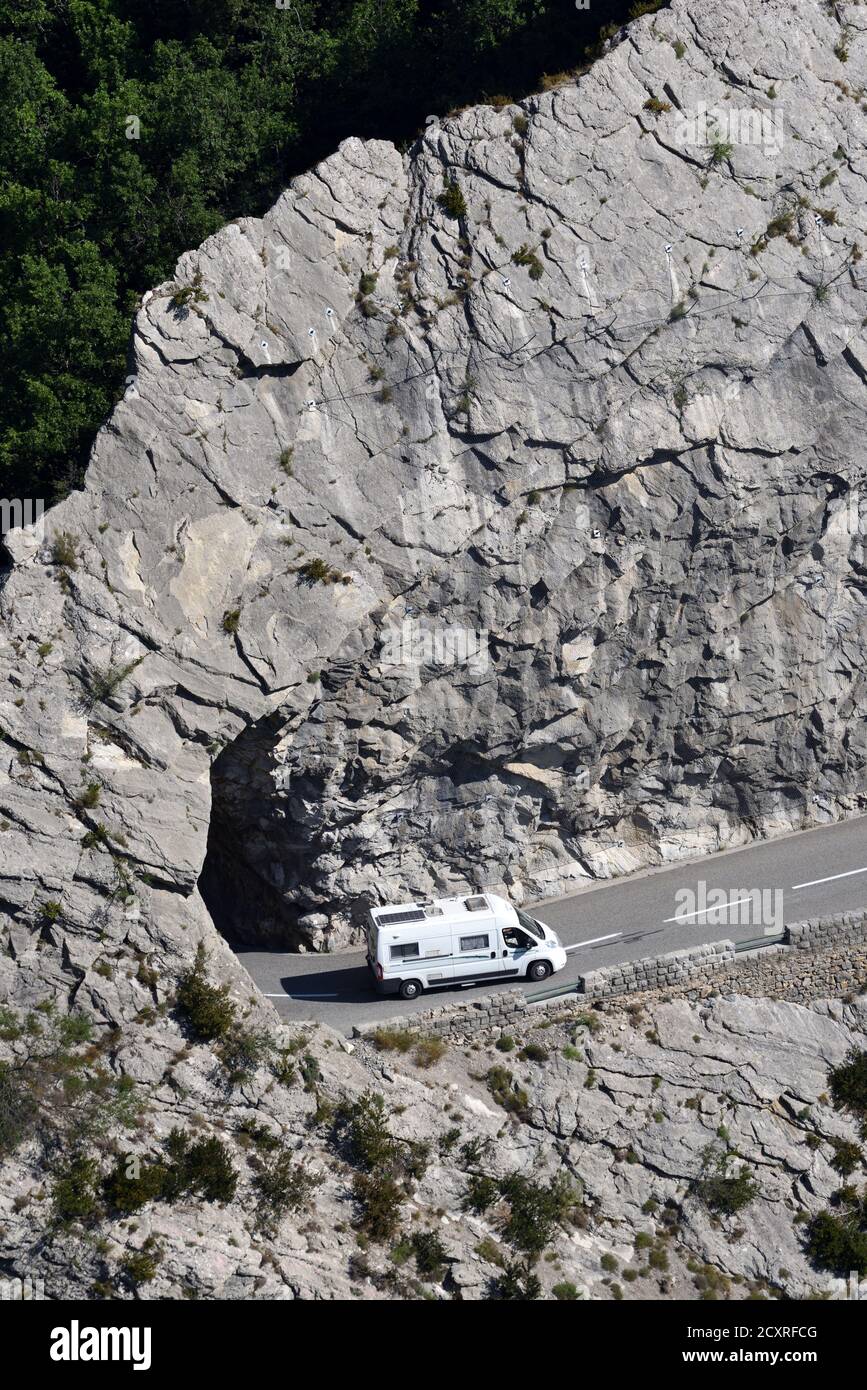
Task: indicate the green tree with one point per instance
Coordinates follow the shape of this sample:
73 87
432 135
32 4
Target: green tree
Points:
231 98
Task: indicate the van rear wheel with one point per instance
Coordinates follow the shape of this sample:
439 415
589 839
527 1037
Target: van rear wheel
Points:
539 970
410 989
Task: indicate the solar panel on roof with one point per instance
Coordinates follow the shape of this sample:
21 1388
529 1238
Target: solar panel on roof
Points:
411 914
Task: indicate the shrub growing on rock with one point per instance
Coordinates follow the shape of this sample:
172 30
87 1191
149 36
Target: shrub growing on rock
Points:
518 1282
17 1107
127 1192
846 1157
242 1051
204 1168
849 1086
381 1197
283 1185
207 1008
362 1126
452 200
74 1200
481 1194
720 1189
506 1091
837 1240
536 1210
430 1255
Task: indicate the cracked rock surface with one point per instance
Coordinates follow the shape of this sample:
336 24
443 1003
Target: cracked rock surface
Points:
488 514
623 1107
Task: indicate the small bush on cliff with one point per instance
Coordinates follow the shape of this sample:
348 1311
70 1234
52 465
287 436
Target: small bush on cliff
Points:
362 1126
430 1254
204 1168
206 1008
846 1157
18 1109
60 1092
64 550
452 200
387 1164
525 256
720 1189
506 1091
481 1194
536 1209
837 1240
242 1051
141 1266
74 1200
518 1283
428 1052
380 1196
132 1185
101 684
283 1185
849 1086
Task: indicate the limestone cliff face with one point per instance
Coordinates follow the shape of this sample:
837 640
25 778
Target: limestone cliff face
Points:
487 514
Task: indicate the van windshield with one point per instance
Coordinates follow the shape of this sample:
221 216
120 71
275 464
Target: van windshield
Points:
529 924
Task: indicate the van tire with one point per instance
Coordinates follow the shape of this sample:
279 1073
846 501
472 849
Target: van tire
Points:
410 989
539 970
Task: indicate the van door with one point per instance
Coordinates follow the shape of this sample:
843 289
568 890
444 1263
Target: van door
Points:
476 949
517 945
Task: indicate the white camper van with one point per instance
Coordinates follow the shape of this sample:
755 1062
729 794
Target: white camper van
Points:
457 941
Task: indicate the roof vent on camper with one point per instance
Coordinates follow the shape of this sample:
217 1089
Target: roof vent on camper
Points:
478 904
433 911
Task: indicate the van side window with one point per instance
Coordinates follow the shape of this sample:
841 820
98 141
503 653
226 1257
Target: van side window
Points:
517 940
402 952
474 943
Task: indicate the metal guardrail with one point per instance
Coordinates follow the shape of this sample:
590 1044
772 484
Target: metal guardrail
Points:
756 942
554 992
753 944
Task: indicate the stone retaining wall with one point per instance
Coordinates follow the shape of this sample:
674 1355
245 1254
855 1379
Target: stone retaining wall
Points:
822 958
656 972
498 1010
818 932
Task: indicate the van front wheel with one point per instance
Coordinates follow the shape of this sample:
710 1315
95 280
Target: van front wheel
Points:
410 989
539 970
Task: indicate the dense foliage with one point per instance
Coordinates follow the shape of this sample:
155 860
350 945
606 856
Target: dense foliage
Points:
132 129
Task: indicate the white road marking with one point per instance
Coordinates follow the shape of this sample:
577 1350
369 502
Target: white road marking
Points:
592 942
284 995
829 879
706 911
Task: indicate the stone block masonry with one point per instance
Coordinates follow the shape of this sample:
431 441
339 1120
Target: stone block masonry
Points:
655 972
821 958
465 1017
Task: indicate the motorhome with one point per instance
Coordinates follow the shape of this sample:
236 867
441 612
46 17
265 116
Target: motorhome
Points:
412 947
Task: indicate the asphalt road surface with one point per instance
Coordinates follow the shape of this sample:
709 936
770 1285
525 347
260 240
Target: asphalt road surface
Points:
816 872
